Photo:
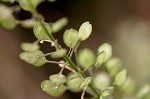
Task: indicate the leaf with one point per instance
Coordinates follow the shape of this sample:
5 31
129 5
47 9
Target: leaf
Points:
113 66
85 82
86 57
29 5
85 30
7 20
59 53
59 24
70 37
121 77
25 46
36 58
58 79
74 83
101 81
100 59
52 89
107 49
40 32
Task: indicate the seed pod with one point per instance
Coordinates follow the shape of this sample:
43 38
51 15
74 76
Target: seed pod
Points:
58 79
36 58
101 81
74 83
25 46
85 30
40 32
70 37
86 57
107 49
52 89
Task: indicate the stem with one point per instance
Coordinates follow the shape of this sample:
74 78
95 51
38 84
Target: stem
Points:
67 59
83 93
54 62
94 90
76 58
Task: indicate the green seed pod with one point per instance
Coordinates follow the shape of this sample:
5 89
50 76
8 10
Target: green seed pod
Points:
113 66
40 32
7 20
25 46
29 5
70 37
100 59
29 23
52 89
59 24
144 92
101 81
59 53
86 57
85 30
121 77
107 49
129 87
74 83
58 79
106 93
36 58
103 97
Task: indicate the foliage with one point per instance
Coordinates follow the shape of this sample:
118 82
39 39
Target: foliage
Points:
100 85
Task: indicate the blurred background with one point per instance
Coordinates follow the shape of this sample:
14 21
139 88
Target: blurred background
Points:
124 24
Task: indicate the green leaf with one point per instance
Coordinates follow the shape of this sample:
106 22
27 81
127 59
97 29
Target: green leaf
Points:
107 49
85 30
144 92
113 66
25 46
29 23
36 58
70 37
100 59
7 20
85 82
74 83
101 81
40 32
59 53
29 5
52 89
86 57
58 79
59 24
121 77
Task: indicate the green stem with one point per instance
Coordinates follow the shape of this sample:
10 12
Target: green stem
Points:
67 59
94 90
